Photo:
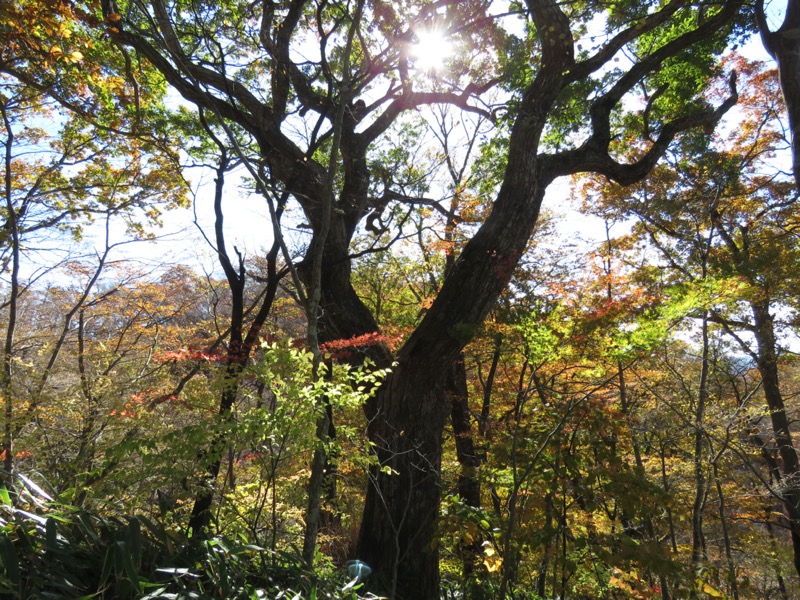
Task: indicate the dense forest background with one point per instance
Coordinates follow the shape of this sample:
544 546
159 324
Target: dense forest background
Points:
372 364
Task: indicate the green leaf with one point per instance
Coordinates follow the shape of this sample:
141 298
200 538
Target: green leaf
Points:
127 560
10 563
5 497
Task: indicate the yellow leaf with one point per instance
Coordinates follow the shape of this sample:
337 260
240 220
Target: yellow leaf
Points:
76 56
714 593
619 584
493 563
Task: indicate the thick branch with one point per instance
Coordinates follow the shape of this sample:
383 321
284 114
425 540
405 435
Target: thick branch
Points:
412 100
593 155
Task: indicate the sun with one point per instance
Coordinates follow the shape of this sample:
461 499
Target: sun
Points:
430 50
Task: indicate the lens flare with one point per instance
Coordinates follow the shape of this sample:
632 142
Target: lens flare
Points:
431 49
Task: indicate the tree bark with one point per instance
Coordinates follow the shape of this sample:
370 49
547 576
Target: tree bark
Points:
399 524
698 540
784 46
789 464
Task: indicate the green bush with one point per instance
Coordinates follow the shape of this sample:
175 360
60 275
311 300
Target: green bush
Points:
54 551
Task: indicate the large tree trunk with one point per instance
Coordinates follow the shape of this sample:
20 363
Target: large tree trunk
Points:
398 534
399 525
784 46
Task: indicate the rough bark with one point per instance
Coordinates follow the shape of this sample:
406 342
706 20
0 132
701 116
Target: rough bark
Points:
784 46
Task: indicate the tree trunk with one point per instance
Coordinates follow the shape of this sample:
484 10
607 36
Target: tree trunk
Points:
698 541
399 526
398 531
784 46
240 345
541 577
723 521
200 517
789 465
8 344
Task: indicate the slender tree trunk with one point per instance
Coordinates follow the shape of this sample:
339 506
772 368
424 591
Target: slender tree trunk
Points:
84 457
200 517
315 487
789 464
488 386
240 345
698 541
723 520
8 343
510 548
541 577
329 517
666 487
564 530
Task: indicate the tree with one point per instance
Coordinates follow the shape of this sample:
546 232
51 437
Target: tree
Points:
243 337
56 184
723 217
408 415
243 63
783 45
